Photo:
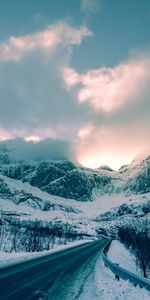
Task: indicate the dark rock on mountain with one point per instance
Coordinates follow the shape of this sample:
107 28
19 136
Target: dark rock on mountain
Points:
105 168
61 178
77 185
125 211
139 183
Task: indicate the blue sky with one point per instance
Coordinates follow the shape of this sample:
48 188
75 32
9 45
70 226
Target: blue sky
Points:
77 71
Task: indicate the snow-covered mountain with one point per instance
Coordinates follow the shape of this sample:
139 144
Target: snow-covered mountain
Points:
72 181
61 178
49 202
137 177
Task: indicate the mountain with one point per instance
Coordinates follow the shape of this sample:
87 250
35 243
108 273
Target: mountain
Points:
105 168
61 178
72 181
138 178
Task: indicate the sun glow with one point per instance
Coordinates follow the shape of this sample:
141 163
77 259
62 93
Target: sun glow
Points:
32 138
94 162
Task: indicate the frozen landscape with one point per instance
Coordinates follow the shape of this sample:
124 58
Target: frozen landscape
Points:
36 223
74 150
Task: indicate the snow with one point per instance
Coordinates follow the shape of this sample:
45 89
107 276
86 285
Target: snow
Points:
19 188
106 202
111 289
119 254
15 184
91 281
95 281
80 221
9 206
7 259
92 209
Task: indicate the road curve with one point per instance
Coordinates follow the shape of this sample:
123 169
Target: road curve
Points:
36 278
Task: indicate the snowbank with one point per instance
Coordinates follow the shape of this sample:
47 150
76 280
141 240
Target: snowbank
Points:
119 254
7 259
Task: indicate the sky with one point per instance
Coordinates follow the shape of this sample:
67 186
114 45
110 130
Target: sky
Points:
75 78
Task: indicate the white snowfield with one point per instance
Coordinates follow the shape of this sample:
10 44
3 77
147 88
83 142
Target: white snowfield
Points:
106 202
18 186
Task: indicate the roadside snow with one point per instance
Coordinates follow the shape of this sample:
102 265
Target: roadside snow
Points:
7 259
93 281
110 289
119 254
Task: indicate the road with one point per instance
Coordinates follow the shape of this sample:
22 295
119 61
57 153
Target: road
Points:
50 276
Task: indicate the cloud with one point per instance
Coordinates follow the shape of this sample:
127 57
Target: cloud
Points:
33 98
49 149
118 126
61 33
109 89
100 116
90 6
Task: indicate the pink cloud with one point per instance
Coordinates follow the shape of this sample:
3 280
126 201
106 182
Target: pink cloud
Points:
35 135
108 89
61 33
85 132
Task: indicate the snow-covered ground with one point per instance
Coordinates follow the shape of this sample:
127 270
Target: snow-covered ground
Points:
98 282
93 281
106 202
15 257
17 186
119 254
110 289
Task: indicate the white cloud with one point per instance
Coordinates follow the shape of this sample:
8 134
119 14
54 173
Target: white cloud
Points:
119 98
108 89
61 33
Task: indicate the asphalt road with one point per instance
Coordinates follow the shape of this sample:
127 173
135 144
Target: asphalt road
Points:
42 278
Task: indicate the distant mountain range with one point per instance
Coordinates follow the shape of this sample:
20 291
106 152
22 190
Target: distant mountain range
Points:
72 181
